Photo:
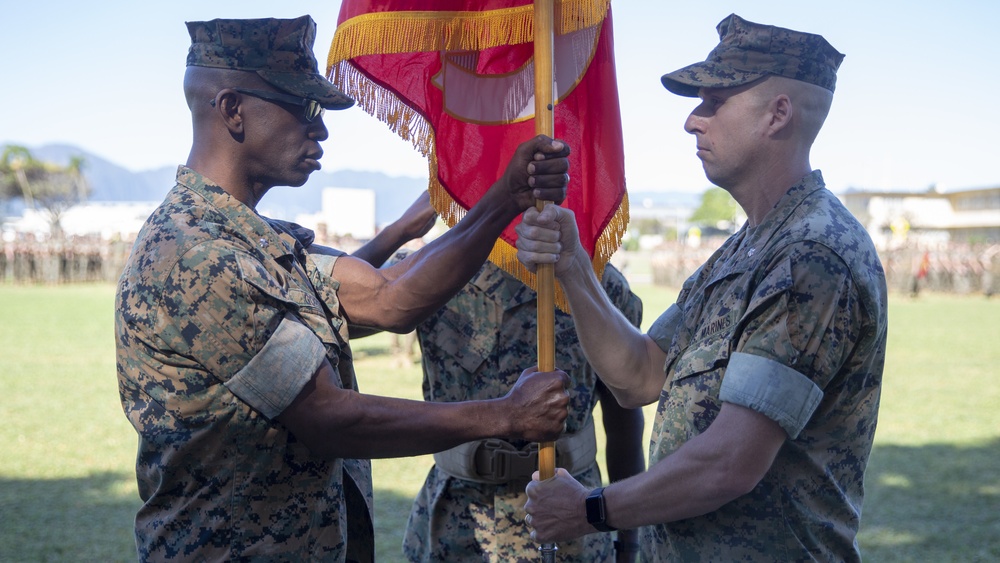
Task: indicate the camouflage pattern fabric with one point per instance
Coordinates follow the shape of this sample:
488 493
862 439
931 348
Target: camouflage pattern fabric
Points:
208 287
475 347
748 51
279 50
805 289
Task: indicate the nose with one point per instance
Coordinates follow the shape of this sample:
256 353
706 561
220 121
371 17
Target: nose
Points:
694 123
698 117
318 130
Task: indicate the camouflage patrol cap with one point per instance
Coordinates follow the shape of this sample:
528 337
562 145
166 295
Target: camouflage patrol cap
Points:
279 50
749 51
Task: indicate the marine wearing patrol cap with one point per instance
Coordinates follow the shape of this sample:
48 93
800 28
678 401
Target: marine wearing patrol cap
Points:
749 51
279 50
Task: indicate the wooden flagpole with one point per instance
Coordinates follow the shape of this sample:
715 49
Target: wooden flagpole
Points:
544 11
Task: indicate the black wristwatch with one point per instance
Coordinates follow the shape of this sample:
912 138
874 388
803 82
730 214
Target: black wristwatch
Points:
596 514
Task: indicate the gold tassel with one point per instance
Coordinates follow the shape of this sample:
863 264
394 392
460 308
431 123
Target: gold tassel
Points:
611 238
422 31
413 31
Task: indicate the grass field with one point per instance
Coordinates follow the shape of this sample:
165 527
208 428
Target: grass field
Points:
67 491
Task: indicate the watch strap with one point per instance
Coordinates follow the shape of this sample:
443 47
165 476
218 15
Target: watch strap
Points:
597 514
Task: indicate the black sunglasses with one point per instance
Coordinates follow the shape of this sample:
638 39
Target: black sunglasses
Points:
311 109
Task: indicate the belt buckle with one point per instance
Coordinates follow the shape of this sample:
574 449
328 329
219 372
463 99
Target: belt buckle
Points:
505 462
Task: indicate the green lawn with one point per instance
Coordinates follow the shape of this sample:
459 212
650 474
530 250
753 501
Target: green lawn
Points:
67 491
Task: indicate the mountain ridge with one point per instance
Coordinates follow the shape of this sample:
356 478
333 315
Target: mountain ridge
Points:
111 182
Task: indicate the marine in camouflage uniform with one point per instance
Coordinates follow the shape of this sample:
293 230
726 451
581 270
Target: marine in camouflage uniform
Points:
213 301
774 351
473 348
787 319
231 337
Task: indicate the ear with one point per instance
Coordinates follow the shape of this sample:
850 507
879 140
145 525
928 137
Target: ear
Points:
228 103
781 110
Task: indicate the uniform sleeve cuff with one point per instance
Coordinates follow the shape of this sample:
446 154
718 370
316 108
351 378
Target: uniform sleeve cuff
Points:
277 374
772 389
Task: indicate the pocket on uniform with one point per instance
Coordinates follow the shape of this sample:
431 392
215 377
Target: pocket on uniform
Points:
467 343
690 399
293 298
703 356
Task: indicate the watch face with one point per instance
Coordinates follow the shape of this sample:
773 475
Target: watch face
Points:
596 515
595 507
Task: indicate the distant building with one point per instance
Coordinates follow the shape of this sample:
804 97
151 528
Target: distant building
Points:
108 220
927 217
670 210
346 212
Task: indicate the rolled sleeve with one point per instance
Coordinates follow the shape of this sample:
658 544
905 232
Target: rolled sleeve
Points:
772 389
276 375
663 328
324 257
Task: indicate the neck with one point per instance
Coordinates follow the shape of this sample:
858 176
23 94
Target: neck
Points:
227 176
758 194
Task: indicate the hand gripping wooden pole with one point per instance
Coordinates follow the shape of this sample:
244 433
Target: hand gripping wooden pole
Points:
545 125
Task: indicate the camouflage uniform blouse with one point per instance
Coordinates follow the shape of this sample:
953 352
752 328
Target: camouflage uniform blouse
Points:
475 347
788 319
221 318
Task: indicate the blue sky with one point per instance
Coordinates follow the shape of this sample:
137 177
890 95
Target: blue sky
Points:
916 100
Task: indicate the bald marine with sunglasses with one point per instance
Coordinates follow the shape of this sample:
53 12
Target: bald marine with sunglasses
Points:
233 354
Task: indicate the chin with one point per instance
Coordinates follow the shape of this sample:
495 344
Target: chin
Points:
297 180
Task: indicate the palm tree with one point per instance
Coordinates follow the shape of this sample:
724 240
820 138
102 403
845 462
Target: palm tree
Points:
50 186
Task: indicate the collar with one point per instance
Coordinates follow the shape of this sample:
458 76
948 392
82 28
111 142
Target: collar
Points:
244 220
758 236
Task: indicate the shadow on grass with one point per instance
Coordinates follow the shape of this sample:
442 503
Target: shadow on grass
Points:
91 519
391 512
925 503
932 503
78 519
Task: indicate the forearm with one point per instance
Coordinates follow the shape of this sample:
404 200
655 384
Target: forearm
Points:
719 465
334 422
684 485
436 273
407 292
381 247
414 288
626 360
340 423
710 470
678 487
414 223
382 427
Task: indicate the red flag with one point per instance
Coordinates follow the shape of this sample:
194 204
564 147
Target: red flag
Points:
456 78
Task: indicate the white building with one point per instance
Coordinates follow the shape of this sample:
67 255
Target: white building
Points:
343 212
109 220
929 217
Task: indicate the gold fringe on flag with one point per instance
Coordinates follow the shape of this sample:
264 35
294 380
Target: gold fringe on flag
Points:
380 33
416 31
